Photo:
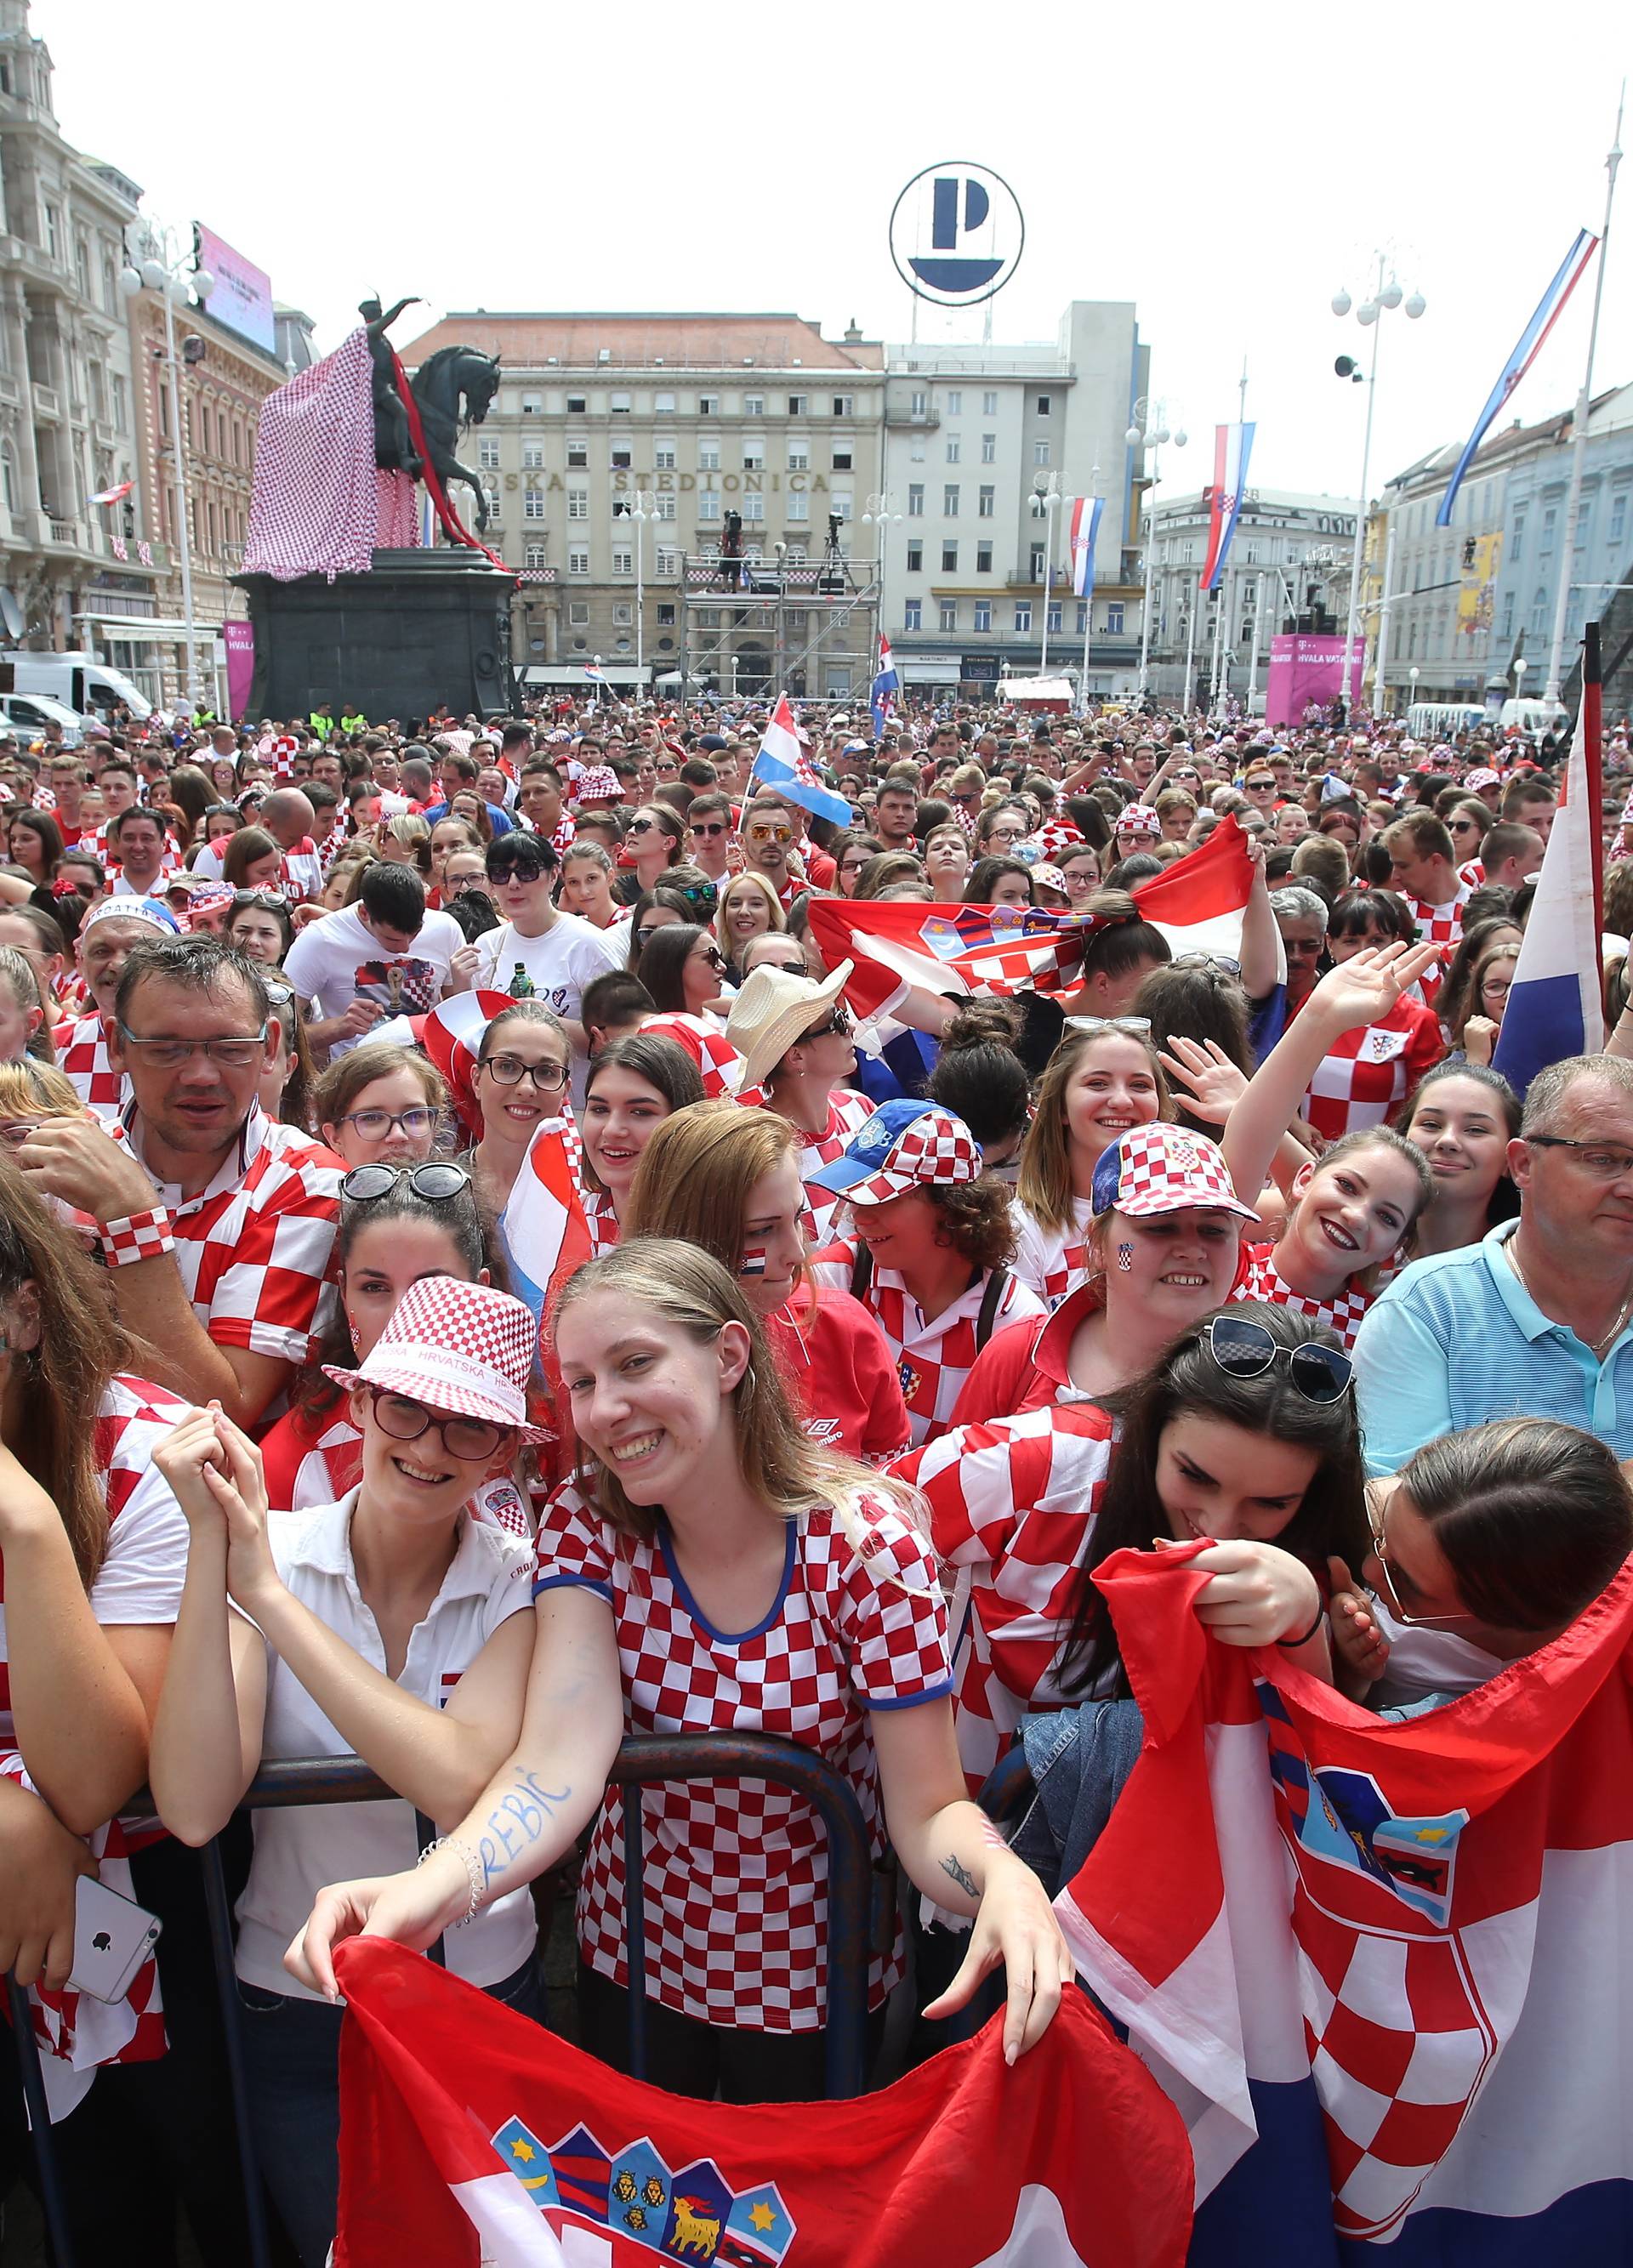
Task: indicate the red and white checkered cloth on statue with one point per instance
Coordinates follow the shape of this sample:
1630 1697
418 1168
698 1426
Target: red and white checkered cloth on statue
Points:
315 504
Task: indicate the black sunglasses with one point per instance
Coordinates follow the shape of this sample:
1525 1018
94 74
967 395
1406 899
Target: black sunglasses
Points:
438 1183
526 865
1244 1349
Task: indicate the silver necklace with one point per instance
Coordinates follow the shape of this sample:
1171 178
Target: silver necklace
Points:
1594 1345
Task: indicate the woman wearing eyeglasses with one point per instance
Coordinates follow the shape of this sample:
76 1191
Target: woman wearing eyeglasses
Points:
381 1104
522 1077
391 1624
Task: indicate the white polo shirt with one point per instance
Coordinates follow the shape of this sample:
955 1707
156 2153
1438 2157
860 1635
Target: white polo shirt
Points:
298 1851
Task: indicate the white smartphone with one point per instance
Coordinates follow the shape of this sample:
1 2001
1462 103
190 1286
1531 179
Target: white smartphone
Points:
112 1937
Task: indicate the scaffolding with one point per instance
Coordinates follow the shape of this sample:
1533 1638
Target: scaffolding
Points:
752 628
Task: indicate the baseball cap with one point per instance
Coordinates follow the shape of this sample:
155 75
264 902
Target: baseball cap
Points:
905 1145
1159 1168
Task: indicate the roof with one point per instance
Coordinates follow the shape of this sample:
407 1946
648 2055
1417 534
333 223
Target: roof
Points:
654 341
1508 440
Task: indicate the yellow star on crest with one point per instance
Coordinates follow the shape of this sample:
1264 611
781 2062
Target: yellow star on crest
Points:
762 2216
525 2151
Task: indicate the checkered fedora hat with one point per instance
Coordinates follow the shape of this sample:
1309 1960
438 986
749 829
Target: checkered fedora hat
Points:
1135 814
464 1349
905 1145
599 784
1054 839
1483 775
1159 1168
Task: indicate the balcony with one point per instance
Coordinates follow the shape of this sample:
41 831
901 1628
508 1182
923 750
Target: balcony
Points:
66 532
1022 580
917 420
48 403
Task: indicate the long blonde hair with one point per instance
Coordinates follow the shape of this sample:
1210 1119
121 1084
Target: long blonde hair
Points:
779 1462
1045 1181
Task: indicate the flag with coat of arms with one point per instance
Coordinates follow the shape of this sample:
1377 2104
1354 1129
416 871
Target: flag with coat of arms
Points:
782 763
464 2127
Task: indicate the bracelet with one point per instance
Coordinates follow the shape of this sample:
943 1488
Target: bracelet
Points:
474 1872
1293 1644
138 1236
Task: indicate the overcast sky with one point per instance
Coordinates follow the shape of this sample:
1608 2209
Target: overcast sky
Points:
1225 168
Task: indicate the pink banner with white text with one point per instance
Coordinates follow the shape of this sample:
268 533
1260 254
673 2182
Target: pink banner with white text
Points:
240 639
1305 669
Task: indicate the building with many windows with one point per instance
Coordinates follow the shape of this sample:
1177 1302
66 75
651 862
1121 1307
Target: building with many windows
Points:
978 440
619 445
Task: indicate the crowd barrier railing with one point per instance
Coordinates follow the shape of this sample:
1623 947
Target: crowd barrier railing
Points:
640 1763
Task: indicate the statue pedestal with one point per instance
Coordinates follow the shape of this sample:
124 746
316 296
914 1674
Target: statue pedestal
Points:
423 630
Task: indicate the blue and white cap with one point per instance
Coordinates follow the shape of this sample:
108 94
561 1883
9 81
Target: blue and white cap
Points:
905 1145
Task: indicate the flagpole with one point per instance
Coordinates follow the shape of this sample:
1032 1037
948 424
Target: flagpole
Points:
1380 651
1190 648
1580 428
1252 659
1366 461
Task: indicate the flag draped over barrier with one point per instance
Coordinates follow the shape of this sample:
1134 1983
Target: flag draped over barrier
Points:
1383 1968
459 2116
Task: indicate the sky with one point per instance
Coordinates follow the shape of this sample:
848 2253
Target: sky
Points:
1227 169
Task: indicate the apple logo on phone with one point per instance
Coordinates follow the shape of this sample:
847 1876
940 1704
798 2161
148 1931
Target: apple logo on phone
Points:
101 1941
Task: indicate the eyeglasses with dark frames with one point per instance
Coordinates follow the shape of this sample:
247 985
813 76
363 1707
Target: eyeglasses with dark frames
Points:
434 1180
402 1419
234 1053
510 1070
1605 1161
375 1125
1244 1349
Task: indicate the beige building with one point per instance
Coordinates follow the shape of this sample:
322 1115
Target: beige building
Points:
68 399
618 447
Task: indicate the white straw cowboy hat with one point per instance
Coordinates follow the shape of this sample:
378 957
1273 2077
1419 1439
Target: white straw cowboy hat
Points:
774 1009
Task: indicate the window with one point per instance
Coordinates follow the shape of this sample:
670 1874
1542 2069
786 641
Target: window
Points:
799 405
841 506
986 501
918 403
663 455
844 405
622 614
532 501
1114 618
915 558
53 232
708 456
577 403
496 506
1053 617
532 456
1043 405
754 456
1040 453
1508 617
912 615
754 405
1618 510
534 555
949 501
1035 564
799 618
708 405
578 503
577 455
622 460
666 616
1083 617
619 405
664 506
1548 518
842 452
533 405
622 560
989 448
982 614
708 505
949 614
950 559
1023 614
915 448
663 404
984 559
754 509
668 563
800 455
578 609
1538 610
989 404
915 500
577 559
799 505
952 448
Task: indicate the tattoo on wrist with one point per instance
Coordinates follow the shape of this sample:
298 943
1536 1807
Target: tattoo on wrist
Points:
960 1874
517 1821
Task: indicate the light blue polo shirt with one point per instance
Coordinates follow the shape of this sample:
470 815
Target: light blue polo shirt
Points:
1457 1340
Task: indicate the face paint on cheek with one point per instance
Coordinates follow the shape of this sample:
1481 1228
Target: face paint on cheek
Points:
1125 1257
753 1259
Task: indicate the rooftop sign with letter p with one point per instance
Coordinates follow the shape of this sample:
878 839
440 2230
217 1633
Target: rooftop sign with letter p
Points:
957 234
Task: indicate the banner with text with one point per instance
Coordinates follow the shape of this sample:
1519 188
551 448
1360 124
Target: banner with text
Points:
242 296
240 640
1305 669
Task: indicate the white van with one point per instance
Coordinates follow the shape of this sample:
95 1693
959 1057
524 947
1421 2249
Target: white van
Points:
1534 715
27 715
89 688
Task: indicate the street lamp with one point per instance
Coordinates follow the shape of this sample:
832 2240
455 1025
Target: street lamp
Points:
1387 297
177 275
1413 675
1148 422
641 506
878 514
1047 501
1521 667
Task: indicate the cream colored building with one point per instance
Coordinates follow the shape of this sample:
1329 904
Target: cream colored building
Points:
618 445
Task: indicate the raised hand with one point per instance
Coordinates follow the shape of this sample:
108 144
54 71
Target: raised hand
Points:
1214 1083
1365 988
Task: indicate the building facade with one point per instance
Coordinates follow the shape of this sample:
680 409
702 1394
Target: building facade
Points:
1289 567
977 572
615 453
69 407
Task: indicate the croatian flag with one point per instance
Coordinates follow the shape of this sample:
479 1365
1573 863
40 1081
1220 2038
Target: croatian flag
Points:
460 2119
1085 529
595 676
782 763
897 947
1382 1968
115 496
543 1227
1233 446
1529 346
451 1034
886 685
1555 1007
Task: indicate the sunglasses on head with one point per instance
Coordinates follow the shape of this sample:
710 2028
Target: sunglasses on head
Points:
1244 1349
435 1182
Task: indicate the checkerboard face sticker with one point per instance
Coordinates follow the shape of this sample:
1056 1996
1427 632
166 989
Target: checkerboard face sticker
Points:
1125 1257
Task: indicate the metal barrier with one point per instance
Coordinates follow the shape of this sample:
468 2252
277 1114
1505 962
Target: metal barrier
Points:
348 1779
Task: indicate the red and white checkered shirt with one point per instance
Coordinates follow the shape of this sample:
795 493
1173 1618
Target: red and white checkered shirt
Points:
1441 925
846 1111
1367 1074
255 1248
933 1356
599 1219
1473 871
1262 1279
1052 1261
736 1871
300 873
1012 1505
83 1059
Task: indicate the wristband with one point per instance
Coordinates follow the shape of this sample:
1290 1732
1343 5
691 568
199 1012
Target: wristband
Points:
474 1872
1293 1644
139 1236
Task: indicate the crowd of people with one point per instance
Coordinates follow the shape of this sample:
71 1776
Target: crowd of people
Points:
895 1326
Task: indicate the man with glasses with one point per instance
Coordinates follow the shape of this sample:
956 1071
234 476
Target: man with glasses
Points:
216 1222
1536 1316
558 953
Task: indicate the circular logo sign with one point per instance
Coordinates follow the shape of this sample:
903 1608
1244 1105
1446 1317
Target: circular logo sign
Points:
957 234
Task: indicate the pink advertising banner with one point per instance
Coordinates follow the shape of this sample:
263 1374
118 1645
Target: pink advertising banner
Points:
240 639
1305 669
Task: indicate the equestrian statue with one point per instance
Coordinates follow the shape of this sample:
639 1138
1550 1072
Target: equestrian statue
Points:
452 389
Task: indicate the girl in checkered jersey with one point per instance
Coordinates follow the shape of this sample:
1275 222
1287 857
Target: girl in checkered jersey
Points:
715 1570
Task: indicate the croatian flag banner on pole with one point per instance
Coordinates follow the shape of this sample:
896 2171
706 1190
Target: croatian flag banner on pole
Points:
897 947
1085 528
1233 446
1385 1970
543 1227
782 763
886 685
468 2131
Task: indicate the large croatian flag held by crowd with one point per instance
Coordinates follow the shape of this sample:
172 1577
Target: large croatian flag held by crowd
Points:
463 2124
1385 1970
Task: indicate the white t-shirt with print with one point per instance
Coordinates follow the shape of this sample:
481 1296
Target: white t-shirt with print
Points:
337 959
569 956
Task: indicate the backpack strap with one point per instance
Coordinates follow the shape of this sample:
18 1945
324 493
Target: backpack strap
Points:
997 1283
862 1269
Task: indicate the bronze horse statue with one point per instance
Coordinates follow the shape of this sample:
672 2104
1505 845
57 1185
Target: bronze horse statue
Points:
453 390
